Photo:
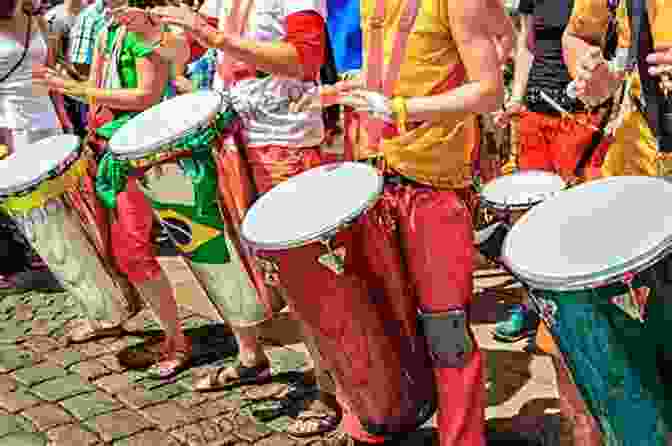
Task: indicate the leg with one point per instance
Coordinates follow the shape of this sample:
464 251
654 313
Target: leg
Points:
437 235
133 252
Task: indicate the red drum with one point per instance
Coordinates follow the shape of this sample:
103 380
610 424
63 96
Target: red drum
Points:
307 235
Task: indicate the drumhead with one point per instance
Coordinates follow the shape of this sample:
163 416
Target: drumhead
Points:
522 189
592 234
35 162
311 205
164 123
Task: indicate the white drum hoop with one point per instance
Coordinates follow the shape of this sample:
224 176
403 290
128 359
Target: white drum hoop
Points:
490 198
42 160
602 276
346 215
121 144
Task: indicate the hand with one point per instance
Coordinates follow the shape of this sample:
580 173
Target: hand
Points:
663 56
183 85
135 19
182 16
371 102
511 109
595 81
324 96
43 75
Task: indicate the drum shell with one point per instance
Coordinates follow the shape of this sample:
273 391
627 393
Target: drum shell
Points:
365 326
60 232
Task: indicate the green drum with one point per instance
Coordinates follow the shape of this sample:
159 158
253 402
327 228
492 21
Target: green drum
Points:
596 258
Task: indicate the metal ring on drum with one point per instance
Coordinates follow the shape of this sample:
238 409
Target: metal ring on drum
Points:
186 200
41 197
600 283
384 377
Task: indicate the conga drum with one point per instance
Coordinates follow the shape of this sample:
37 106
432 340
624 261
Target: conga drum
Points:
183 132
40 187
306 234
598 281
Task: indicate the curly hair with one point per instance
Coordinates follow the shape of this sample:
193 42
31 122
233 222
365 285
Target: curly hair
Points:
146 4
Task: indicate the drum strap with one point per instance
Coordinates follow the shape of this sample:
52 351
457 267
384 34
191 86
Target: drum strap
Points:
377 79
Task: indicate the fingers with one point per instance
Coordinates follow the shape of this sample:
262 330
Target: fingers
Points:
661 56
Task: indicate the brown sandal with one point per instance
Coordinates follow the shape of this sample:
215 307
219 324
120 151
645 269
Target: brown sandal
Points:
258 374
85 332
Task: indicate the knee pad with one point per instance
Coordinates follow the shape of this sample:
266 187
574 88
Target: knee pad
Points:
448 338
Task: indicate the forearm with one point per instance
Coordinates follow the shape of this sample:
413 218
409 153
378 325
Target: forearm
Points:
278 58
573 47
472 97
522 66
129 99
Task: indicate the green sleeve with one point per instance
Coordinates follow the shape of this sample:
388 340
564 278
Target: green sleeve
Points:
138 47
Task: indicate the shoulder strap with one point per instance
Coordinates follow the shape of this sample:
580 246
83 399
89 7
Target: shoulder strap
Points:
26 46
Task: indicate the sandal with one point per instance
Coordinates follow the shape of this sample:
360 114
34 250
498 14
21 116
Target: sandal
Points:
173 361
312 422
85 332
258 374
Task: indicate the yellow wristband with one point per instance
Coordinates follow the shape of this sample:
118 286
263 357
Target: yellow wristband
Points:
400 111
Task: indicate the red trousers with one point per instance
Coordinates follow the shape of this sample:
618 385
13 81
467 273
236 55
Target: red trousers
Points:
412 251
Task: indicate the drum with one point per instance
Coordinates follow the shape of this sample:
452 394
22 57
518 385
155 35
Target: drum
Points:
598 282
191 218
42 198
510 196
305 234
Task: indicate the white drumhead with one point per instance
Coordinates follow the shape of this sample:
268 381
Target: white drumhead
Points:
592 234
164 123
28 166
311 205
522 189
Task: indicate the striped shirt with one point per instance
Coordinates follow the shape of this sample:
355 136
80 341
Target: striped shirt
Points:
84 33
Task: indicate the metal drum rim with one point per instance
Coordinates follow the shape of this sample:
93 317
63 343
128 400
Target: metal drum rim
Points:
521 206
44 176
320 235
157 147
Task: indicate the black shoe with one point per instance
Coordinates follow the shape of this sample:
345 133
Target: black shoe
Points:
37 280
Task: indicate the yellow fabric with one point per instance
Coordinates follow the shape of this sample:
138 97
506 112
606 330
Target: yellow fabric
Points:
633 151
47 190
439 155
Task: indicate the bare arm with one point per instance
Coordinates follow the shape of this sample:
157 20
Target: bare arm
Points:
524 59
503 29
484 92
585 31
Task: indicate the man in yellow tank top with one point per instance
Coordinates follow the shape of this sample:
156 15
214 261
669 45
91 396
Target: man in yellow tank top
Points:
422 100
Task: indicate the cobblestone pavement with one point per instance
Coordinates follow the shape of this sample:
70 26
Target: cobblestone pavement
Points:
80 395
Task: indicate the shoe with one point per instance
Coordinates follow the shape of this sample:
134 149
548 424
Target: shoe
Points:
41 280
521 324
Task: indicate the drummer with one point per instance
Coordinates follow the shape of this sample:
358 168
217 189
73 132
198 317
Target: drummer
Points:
262 73
429 136
124 86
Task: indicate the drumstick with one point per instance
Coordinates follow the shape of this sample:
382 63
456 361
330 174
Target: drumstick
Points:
564 112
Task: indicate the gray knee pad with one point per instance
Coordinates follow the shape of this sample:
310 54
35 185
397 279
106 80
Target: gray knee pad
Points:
448 339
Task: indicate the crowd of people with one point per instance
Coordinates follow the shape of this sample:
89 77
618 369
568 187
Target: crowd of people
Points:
583 105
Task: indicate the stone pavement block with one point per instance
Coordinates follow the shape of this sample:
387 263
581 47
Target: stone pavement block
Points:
169 415
190 399
253 431
7 384
139 397
71 435
117 425
112 363
284 359
13 358
92 350
90 405
278 439
31 376
280 424
23 312
14 332
44 327
13 423
218 407
115 383
62 388
148 438
47 416
20 399
205 432
43 344
64 357
90 370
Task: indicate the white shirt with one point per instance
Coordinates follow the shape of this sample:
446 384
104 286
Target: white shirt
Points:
22 104
271 122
